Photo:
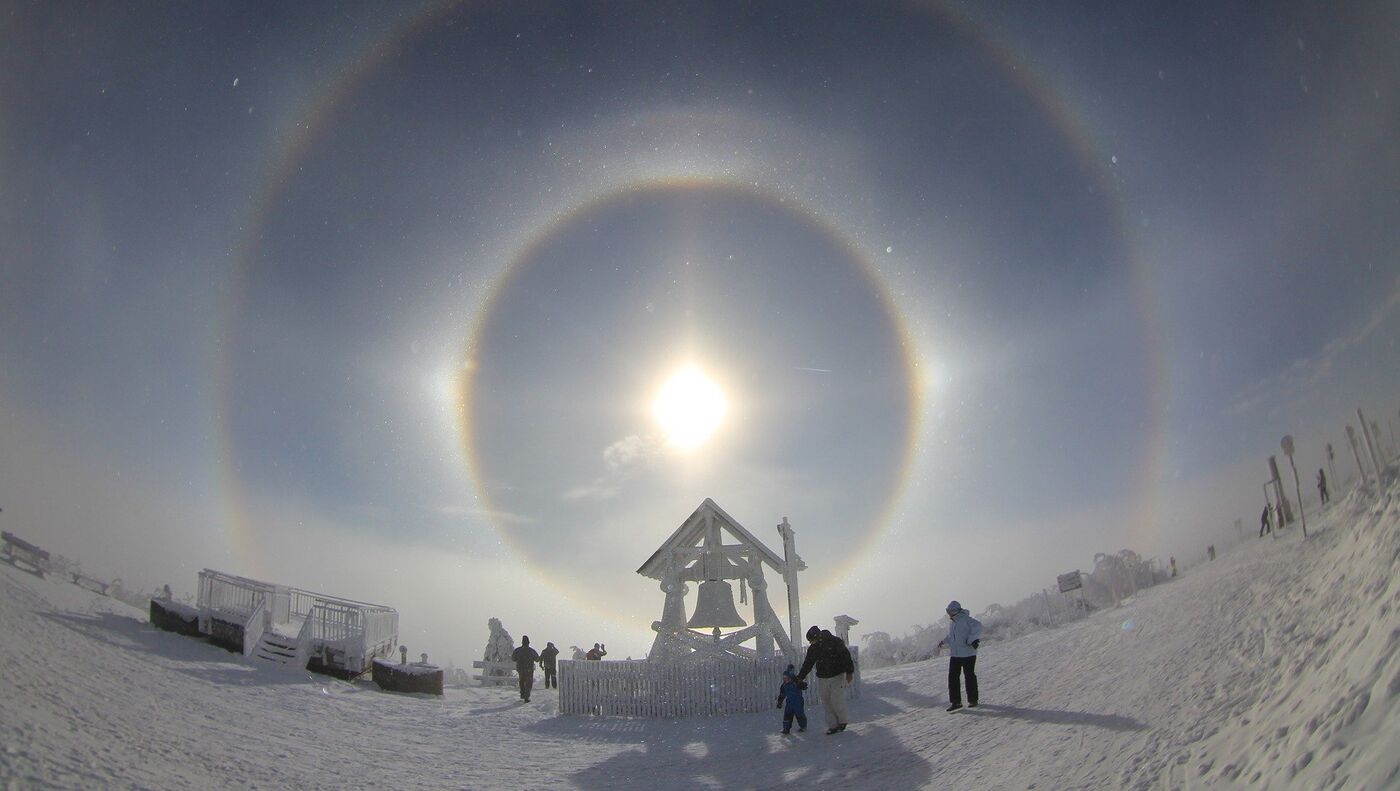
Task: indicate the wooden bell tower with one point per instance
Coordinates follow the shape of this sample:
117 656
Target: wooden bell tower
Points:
698 552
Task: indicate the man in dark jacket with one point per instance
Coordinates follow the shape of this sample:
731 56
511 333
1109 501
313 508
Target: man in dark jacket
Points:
547 661
832 661
525 658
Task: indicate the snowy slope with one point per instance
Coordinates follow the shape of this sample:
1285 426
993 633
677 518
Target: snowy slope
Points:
1275 667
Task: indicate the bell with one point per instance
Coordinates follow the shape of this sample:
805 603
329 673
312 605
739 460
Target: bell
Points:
714 606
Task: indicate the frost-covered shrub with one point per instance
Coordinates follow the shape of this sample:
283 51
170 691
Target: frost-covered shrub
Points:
1115 577
922 642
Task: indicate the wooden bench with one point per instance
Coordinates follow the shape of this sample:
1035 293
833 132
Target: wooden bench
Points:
487 679
16 548
88 583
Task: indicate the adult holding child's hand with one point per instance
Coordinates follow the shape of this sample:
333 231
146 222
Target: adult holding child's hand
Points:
829 655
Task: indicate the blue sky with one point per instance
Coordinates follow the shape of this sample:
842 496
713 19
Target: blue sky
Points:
247 255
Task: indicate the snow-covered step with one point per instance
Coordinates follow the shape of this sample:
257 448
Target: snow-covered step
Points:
276 648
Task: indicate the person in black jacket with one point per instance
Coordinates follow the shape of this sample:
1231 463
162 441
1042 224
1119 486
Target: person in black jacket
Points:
548 660
525 658
832 661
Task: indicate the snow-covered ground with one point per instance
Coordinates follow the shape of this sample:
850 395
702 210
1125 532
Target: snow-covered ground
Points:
1275 666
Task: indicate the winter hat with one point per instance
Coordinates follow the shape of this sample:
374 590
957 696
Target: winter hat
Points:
953 606
813 632
789 673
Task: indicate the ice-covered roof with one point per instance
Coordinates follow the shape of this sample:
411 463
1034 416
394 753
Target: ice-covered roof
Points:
692 532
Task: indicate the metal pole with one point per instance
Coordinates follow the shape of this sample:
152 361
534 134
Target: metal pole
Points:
1299 489
1370 445
1331 470
1356 453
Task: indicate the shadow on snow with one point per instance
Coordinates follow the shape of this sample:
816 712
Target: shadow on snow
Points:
212 664
1113 722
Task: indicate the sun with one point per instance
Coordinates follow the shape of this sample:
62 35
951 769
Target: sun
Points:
689 407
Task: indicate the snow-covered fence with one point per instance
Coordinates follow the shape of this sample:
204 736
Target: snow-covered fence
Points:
672 689
226 594
495 673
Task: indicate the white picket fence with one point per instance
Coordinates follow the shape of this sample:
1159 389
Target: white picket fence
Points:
686 689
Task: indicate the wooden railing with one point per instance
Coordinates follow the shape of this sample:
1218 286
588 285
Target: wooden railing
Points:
254 627
361 630
495 673
225 593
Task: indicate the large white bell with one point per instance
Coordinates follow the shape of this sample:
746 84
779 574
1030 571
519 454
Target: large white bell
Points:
714 606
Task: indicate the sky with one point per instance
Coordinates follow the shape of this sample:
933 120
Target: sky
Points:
378 300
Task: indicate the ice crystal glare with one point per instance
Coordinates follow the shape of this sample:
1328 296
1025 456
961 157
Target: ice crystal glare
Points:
689 408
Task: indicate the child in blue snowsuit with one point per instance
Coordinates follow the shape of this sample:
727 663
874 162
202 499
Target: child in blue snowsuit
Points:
790 701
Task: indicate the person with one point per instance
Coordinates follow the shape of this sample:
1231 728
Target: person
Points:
548 659
1210 551
597 652
828 655
1173 565
791 702
1322 486
1265 521
525 658
964 637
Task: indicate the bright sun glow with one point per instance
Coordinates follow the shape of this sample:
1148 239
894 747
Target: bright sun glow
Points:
689 407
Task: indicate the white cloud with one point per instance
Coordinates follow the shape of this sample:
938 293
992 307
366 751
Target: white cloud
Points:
621 460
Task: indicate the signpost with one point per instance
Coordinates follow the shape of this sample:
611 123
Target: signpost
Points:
1071 581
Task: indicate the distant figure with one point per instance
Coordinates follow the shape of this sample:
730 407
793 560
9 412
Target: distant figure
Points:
597 652
1322 486
547 661
525 658
1210 552
579 654
791 702
165 592
832 660
964 638
1266 522
1173 564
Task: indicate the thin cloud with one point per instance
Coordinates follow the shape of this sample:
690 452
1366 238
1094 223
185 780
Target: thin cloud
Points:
1304 374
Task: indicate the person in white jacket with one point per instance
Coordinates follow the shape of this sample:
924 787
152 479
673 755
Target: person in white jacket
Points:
964 635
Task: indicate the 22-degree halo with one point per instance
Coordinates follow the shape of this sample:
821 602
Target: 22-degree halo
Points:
518 274
316 114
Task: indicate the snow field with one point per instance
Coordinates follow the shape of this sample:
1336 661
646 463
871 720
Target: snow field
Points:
1273 667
